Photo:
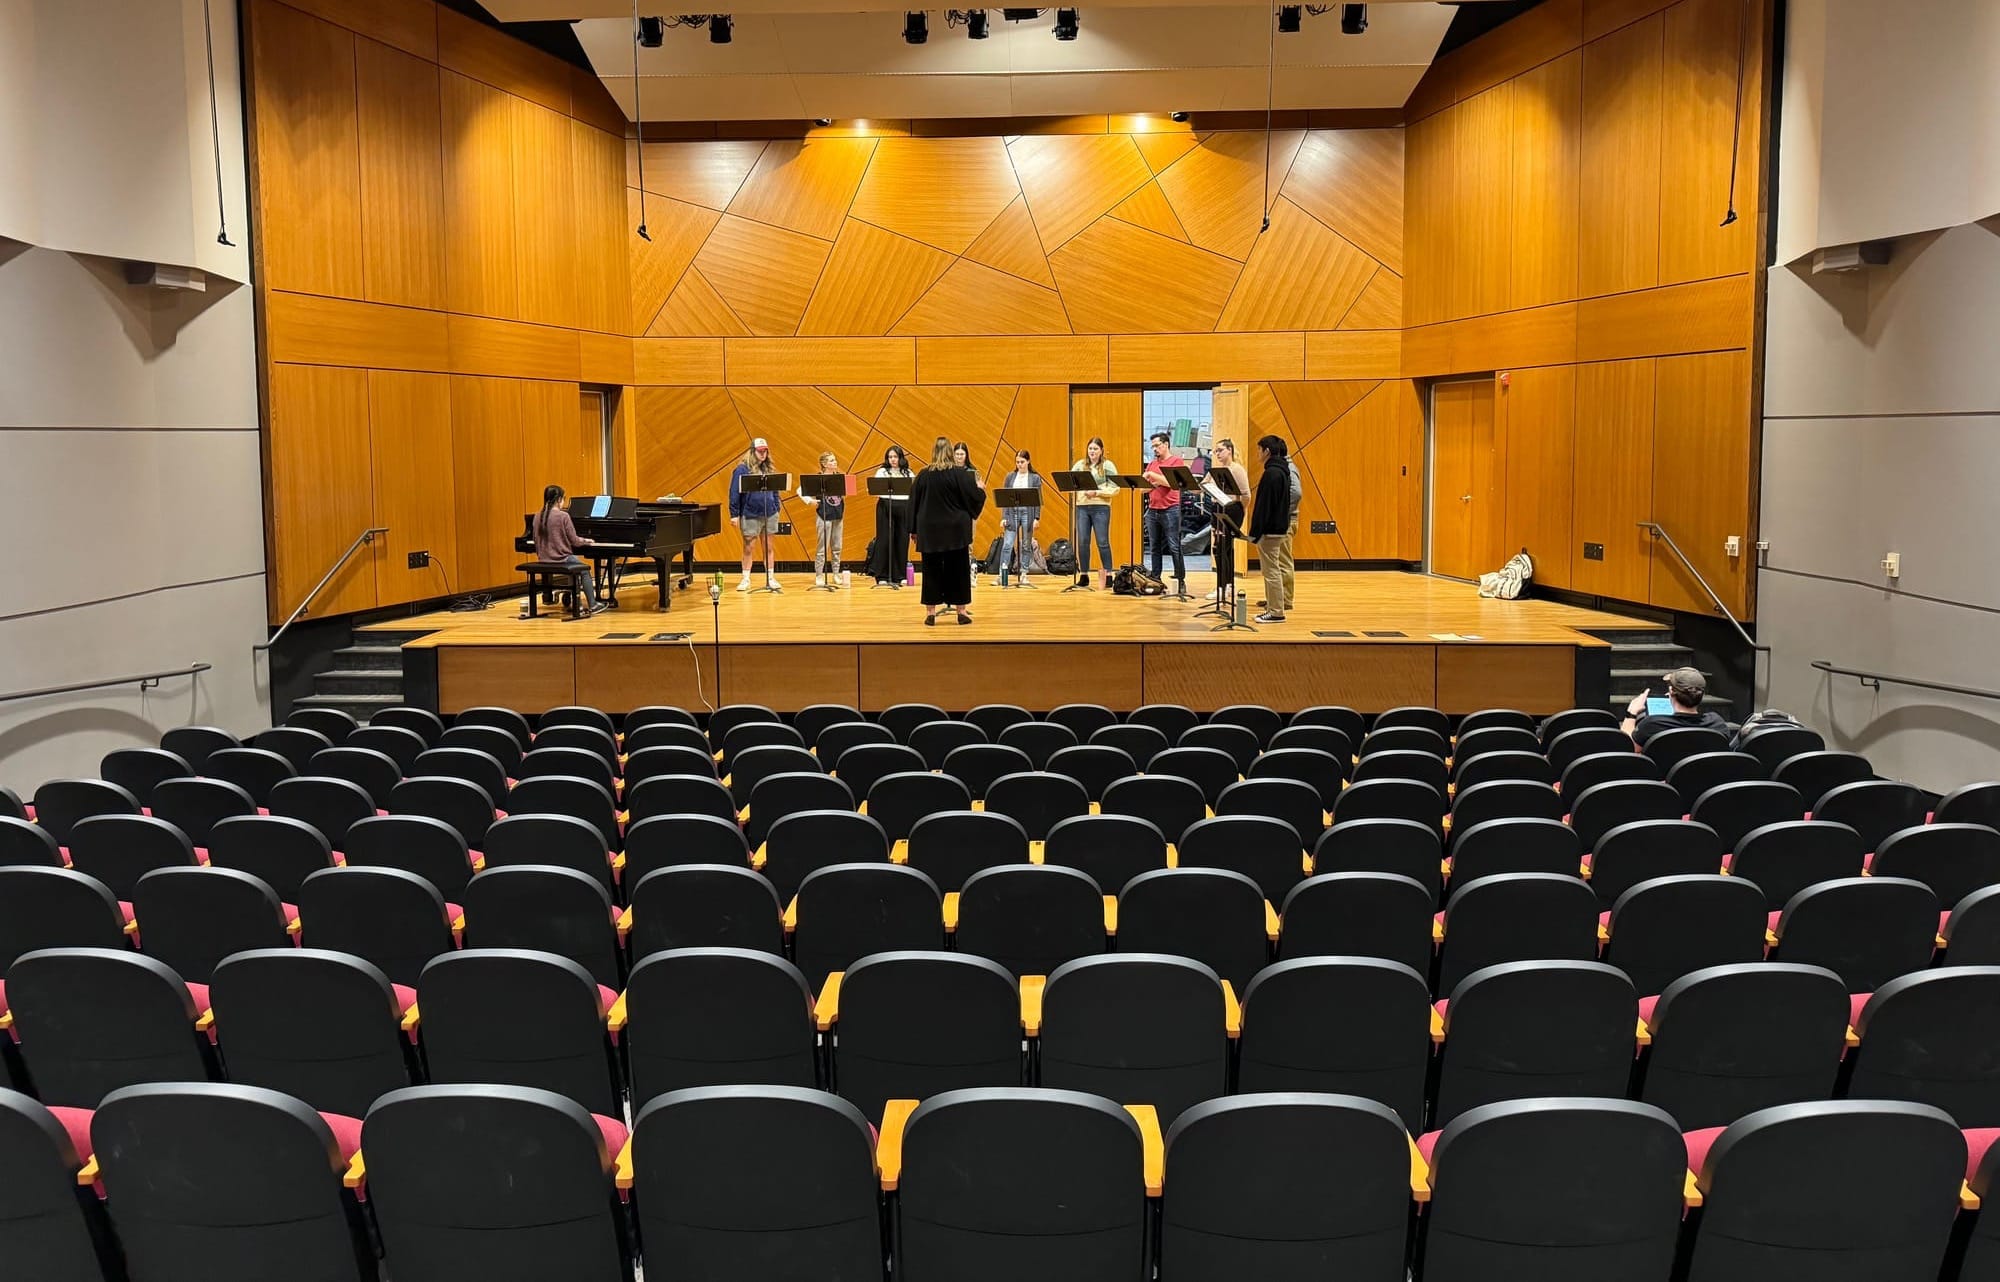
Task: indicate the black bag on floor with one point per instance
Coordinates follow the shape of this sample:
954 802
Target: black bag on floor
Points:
1132 580
1062 557
990 563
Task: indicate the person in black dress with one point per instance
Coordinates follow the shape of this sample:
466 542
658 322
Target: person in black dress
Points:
944 503
891 554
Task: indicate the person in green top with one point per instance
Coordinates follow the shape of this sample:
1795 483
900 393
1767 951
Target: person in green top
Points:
1093 510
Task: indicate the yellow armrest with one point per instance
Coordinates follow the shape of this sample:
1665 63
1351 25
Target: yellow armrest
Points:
6 1020
861 809
743 815
1031 1004
1173 855
1941 942
757 858
827 1009
623 1170
950 911
1967 1199
618 862
1603 934
132 927
479 863
889 1141
205 1021
357 1172
614 1019
1437 930
292 927
624 925
1437 1027
979 806
458 922
1037 851
1152 1146
412 1018
1420 1175
1644 1036
1094 809
86 1175
1583 870
1306 862
900 852
1853 1038
1690 1192
1111 914
1270 922
791 915
1770 939
1232 1011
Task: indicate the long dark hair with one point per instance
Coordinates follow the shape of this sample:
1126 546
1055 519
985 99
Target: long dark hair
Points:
551 495
902 459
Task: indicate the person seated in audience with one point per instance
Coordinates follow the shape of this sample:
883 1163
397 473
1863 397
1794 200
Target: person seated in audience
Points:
1685 688
556 539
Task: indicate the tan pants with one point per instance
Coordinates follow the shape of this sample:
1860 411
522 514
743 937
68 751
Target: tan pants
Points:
1291 573
1274 556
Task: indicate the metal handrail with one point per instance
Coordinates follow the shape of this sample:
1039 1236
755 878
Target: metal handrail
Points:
1874 680
1659 532
145 680
367 536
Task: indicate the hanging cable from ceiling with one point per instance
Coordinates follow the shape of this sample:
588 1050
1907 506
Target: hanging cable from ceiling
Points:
1270 98
639 121
1736 124
215 131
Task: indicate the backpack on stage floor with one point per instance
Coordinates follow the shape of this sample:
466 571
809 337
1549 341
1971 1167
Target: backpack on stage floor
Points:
1512 577
1062 557
990 563
1132 580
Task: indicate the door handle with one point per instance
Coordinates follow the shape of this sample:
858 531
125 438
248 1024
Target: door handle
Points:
1465 498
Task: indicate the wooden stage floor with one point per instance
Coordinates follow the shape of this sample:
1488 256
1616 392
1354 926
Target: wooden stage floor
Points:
1405 639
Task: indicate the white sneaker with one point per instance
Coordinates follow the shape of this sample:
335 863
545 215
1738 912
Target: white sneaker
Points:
743 584
819 580
771 584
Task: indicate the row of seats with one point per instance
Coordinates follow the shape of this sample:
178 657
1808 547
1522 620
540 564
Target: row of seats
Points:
777 1185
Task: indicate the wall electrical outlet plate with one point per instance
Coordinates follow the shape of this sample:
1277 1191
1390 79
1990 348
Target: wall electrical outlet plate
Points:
418 560
1892 564
1593 551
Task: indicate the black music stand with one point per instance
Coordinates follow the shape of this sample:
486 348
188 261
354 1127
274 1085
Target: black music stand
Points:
882 487
1004 497
1179 479
767 483
821 486
1220 526
1073 483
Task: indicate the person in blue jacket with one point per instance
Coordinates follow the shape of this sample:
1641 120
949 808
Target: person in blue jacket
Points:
755 514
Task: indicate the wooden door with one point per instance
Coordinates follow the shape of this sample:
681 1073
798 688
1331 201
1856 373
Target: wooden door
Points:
1466 507
590 438
1114 415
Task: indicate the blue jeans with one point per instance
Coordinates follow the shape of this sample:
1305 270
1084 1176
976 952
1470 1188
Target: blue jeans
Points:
1013 532
585 579
1163 532
1092 517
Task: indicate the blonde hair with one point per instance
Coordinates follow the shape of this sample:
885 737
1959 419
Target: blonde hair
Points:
829 456
941 454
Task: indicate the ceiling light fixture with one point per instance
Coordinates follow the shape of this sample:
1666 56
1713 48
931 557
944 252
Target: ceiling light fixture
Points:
823 122
1290 18
721 28
1178 117
975 25
1353 19
1067 24
916 27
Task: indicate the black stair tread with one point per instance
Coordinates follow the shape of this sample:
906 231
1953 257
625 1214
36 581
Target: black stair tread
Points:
369 649
372 674
1638 674
1627 647
380 700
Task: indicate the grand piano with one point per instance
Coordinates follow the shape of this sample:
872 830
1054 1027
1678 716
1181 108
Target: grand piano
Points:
626 530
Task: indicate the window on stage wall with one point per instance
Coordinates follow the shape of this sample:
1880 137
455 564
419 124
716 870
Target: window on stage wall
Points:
1187 415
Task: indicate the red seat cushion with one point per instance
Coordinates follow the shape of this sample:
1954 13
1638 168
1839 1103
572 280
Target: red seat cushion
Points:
1771 920
605 997
1698 1143
1604 919
200 994
77 1122
406 997
1427 1142
125 907
1855 1001
613 1131
1977 1141
1440 1006
346 1133
1943 917
3 997
1646 1005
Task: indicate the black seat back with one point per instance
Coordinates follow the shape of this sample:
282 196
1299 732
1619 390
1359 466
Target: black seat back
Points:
393 919
1209 769
91 1020
257 771
463 807
297 744
192 918
1212 915
421 722
1594 768
137 770
1867 930
1358 914
1973 930
916 1024
1523 1030
1692 776
992 718
195 806
61 804
1338 1025
1735 810
1403 847
1774 745
1290 801
1171 803
544 907
1953 859
1670 926
26 844
505 719
1037 799
1241 744
1926 1038
1392 799
667 759
1031 920
1874 808
326 805
1142 1028
1501 846
1674 745
49 1231
1649 848
861 765
753 1009
319 1026
1040 740
1112 849
429 848
55 908
495 741
679 795
1602 807
807 840
1516 917
844 912
120 849
899 801
1082 719
586 799
1785 858
476 1005
1729 1040
562 840
934 739
903 718
1493 766
704 906
834 740
776 796
474 765
1141 743
1570 745
1266 850
375 773
1346 720
193 744
1094 765
1815 774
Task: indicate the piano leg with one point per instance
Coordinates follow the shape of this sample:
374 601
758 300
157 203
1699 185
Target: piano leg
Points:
687 567
608 580
666 592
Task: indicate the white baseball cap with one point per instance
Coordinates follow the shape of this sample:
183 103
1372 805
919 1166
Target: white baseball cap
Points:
760 444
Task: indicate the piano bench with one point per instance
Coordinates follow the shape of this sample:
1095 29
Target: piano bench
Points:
544 576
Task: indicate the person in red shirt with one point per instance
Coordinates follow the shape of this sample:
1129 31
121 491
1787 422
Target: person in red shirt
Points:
1163 511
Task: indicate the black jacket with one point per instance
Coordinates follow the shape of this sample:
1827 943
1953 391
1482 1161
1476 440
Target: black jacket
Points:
1273 511
944 502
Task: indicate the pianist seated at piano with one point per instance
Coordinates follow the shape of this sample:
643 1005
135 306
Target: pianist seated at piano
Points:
556 539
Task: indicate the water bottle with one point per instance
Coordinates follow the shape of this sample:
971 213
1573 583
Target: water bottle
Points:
1242 611
909 574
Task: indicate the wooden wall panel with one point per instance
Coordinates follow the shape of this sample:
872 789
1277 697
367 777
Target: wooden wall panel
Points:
474 49
409 432
1482 233
767 361
1356 354
308 166
555 446
1179 358
480 248
1363 471
306 329
603 358
488 485
1619 222
621 678
804 186
544 216
510 349
320 487
1614 479
1370 678
677 361
1702 40
1544 135
1538 440
402 179
1702 477
510 676
1112 414
1535 678
1705 315
1427 203
1079 359
1352 180
1551 28
983 672
409 25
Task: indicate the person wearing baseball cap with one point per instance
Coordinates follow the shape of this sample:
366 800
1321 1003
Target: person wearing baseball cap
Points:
755 514
1685 689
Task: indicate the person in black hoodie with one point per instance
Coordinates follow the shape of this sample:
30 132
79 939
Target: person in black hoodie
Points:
1270 521
944 503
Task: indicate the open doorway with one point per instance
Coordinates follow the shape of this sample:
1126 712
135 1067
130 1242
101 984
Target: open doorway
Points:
1187 417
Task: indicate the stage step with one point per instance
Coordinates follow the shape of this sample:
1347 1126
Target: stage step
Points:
353 658
359 706
352 681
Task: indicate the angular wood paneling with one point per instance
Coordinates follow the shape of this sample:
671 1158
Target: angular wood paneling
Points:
685 435
776 362
696 310
871 279
916 416
1011 245
971 299
1544 131
544 216
1161 150
1119 279
1361 471
707 173
308 166
511 349
603 285
764 273
474 49
480 249
590 103
1481 238
1702 478
1310 408
1704 315
1080 359
1357 354
409 25
1698 118
677 232
1537 430
321 490
409 422
1179 358
1602 17
865 403
1619 219
305 329
1300 275
1218 188
1148 208
1352 180
677 361
1113 416
1551 28
1072 182
401 138
800 423
805 186
604 358
489 486
1380 305
942 191
1614 478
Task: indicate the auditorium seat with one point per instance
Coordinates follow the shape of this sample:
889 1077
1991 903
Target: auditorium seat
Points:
1412 715
1295 804
951 846
716 1206
1426 768
755 734
1594 768
1504 799
1081 719
666 760
221 1180
1874 808
1238 742
1953 859
1557 1190
575 715
518 1017
1572 745
465 808
61 804
1111 849
1325 739
904 718
1141 1028
1170 719
447 1164
899 801
1838 1191
1358 914
754 765
1211 915
194 744
1038 799
495 741
845 911
49 1229
1647 848
1040 740
422 722
483 768
327 806
1392 799
1972 932
1977 1249
1030 919
667 734
776 796
1209 769
90 1020
56 908
192 918
909 1025
672 795
1815 774
1264 849
585 799
807 840
1095 766
1322 771
809 721
1928 1038
698 1017
195 806
1975 803
1403 847
1286 1188
1531 1029
713 905
1254 717
561 840
1675 744
1735 810
1487 718
395 920
1602 807
834 740
375 773
730 716
1692 776
297 744
429 848
861 765
977 765
505 719
1358 1026
1773 745
596 740
1480 741
1172 803
1346 720
1785 858
1667 927
1491 767
1141 743
120 849
137 770
323 1027
1408 737
1867 930
1515 917
11 805
25 844
1501 846
1729 1040
992 718
545 907
934 739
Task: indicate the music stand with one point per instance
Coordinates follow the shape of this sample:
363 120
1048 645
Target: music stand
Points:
1225 584
1073 483
767 483
882 487
1180 479
819 487
1010 497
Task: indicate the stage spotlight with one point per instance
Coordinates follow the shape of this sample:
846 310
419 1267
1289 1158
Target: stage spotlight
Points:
1067 23
1178 117
1020 15
916 28
720 27
1353 19
652 33
975 25
1290 18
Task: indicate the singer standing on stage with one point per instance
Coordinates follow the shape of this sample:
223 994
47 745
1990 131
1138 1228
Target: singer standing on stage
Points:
1270 520
890 558
1018 524
755 514
828 515
1163 510
944 503
1228 508
1093 510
